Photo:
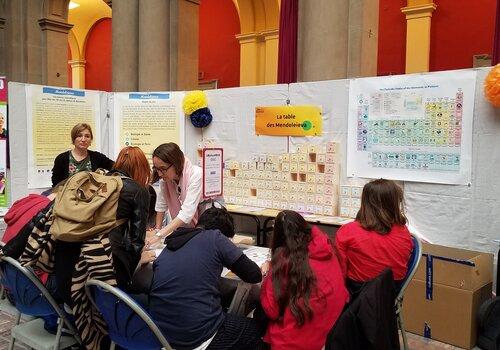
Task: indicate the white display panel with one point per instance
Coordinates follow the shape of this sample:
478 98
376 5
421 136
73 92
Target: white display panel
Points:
147 120
51 114
412 127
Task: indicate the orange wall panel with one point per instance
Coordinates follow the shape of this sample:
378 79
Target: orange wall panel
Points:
219 49
459 30
98 57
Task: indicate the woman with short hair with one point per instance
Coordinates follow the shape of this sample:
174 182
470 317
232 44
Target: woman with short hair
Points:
80 158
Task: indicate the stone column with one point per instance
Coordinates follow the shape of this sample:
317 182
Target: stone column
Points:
184 23
271 54
322 39
418 34
363 38
54 51
125 37
78 73
154 31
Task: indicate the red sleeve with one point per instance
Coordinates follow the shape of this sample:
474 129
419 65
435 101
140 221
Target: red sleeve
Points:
267 299
341 245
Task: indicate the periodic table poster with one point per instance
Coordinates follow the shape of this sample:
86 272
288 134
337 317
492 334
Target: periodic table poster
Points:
412 128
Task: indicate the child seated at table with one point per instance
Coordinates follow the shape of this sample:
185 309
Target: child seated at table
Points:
304 291
377 239
185 300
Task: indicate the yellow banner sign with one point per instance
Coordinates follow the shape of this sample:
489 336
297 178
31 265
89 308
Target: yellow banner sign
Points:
288 120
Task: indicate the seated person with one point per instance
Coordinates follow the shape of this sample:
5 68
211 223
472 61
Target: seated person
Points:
185 300
127 239
21 219
303 293
378 238
21 213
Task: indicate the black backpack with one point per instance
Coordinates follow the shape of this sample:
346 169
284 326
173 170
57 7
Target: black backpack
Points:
489 324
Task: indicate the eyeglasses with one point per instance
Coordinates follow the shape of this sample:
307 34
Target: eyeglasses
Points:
162 169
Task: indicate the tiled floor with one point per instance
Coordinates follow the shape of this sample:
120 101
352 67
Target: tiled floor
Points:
415 342
6 323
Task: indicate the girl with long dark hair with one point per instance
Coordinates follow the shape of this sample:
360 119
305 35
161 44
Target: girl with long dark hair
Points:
304 291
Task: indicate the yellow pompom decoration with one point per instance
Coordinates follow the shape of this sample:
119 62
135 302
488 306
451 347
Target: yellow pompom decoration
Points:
194 101
492 86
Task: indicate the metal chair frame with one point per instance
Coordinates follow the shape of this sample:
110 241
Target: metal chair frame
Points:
62 323
130 303
415 257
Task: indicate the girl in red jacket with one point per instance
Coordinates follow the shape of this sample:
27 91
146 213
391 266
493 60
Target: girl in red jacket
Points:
378 238
304 291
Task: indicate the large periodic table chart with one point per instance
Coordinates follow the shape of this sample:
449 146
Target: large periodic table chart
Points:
412 128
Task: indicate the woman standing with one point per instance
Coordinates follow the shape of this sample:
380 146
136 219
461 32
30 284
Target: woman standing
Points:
80 158
304 291
180 189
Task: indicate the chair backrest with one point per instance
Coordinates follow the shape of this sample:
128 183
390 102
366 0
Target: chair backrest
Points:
29 294
415 256
129 325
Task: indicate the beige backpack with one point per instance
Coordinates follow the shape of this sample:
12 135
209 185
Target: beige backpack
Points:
86 206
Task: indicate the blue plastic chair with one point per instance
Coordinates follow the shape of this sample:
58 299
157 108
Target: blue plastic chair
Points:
129 325
415 256
32 298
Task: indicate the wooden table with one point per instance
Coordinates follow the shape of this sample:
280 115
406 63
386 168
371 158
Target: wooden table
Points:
269 215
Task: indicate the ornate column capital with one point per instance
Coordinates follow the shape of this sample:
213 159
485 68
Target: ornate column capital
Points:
77 63
54 26
270 34
246 38
419 11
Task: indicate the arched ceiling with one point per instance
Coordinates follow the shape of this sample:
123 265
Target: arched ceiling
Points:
258 15
83 18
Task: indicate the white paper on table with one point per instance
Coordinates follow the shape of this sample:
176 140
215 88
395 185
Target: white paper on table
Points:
258 255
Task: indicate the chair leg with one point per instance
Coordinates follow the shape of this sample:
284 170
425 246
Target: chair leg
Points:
11 343
58 334
18 318
403 332
112 346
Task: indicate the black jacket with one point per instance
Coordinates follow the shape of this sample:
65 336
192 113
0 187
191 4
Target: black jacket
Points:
60 171
369 322
127 240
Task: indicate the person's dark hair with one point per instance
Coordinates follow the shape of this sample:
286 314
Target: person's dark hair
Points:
381 206
170 153
217 219
293 278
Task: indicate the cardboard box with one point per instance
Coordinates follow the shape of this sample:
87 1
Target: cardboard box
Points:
442 300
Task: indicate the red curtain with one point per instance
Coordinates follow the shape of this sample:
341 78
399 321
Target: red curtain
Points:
495 59
287 50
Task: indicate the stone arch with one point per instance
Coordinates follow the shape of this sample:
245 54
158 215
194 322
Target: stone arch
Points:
89 14
73 46
55 10
259 20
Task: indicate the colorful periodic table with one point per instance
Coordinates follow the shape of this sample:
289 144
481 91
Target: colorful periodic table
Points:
412 128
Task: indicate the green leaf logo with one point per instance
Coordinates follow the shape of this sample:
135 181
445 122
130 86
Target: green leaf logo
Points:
307 125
